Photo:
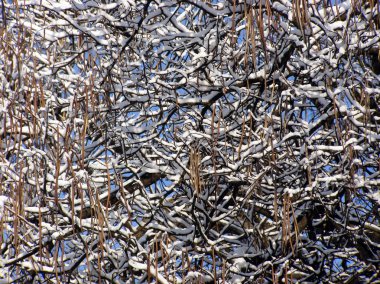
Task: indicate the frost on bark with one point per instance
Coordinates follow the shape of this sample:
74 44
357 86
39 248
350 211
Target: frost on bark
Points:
190 141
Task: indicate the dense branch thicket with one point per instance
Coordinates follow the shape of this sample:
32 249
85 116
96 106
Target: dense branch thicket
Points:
190 141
